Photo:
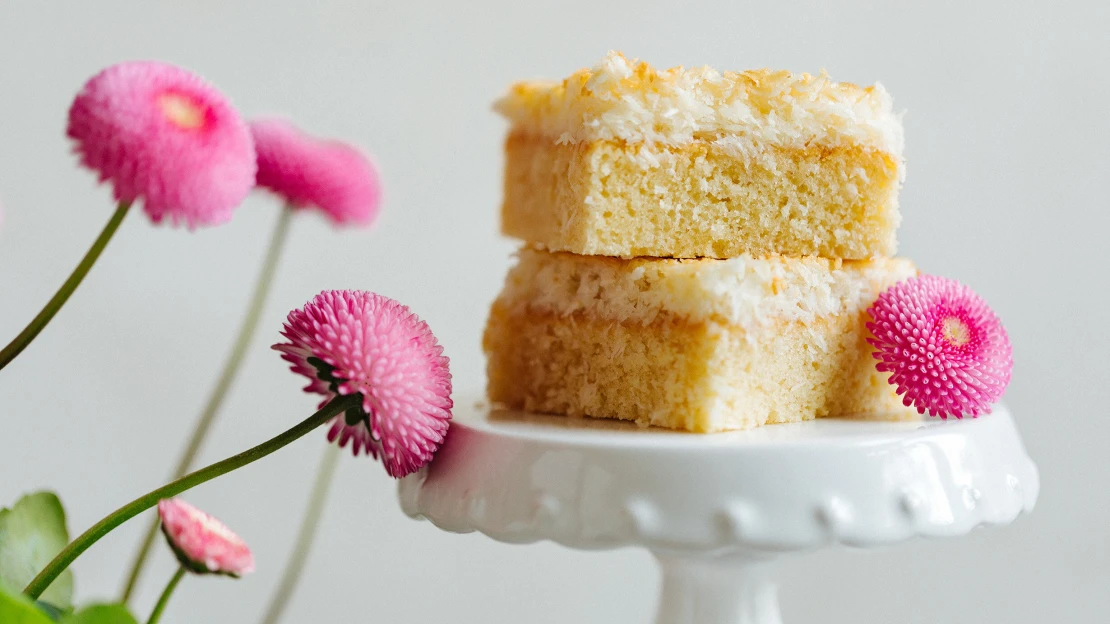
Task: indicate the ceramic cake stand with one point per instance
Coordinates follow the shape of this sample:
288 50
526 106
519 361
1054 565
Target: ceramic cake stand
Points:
717 509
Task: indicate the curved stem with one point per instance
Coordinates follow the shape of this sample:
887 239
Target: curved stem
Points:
305 536
156 614
16 346
227 376
148 500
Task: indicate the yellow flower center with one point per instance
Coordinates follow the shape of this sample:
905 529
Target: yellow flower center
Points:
955 331
181 111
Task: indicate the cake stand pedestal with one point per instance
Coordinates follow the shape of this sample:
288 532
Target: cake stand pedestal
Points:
717 510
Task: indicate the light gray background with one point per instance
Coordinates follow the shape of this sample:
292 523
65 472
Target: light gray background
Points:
1008 159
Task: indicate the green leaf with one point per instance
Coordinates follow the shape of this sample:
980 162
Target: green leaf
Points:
55 613
18 609
32 532
100 614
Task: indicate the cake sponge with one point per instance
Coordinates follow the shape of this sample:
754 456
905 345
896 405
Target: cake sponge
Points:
701 345
625 160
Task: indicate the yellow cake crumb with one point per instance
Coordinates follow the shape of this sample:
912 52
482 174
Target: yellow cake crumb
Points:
701 345
625 160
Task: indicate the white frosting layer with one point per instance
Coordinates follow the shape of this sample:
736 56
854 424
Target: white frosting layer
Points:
619 99
744 291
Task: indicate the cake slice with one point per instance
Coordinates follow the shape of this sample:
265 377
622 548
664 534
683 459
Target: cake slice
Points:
623 160
701 345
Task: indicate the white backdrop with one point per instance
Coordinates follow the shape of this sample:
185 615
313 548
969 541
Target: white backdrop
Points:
1008 157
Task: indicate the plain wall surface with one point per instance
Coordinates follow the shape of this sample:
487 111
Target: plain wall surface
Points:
1008 189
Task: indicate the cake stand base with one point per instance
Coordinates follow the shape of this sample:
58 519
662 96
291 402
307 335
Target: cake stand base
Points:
732 589
716 510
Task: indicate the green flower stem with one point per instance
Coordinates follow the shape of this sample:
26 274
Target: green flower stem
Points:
156 614
193 479
227 376
16 346
305 536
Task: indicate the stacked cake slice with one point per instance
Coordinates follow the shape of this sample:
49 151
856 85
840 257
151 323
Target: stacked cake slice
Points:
700 247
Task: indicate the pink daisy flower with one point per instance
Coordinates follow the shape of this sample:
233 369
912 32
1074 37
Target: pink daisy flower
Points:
203 544
945 349
350 341
164 135
309 172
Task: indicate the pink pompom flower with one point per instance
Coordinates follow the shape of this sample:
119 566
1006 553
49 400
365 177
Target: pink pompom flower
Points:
944 347
163 135
349 341
309 172
203 544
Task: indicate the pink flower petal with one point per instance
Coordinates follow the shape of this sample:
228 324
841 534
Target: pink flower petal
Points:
308 172
201 542
378 348
944 348
163 135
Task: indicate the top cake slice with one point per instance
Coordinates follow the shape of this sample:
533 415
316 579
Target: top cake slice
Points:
624 160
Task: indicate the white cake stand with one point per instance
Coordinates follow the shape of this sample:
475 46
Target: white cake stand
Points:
717 509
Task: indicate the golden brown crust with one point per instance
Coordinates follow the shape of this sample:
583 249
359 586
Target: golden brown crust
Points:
630 100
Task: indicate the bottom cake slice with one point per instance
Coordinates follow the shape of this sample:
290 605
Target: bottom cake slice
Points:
702 345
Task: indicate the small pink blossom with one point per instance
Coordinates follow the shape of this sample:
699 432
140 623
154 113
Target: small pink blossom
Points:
309 172
202 543
350 341
163 135
945 349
